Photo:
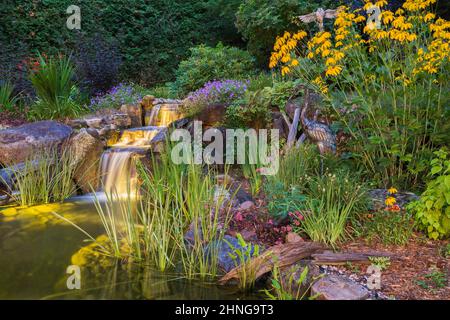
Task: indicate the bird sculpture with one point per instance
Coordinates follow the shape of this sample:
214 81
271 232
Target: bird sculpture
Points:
318 17
317 132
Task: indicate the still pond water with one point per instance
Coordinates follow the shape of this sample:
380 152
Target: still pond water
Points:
36 247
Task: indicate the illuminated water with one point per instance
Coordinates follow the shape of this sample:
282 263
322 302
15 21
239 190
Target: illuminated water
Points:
36 247
163 115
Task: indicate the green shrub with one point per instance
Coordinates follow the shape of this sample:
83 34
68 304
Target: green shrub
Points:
434 280
207 64
253 110
433 209
281 201
281 92
55 89
7 98
162 91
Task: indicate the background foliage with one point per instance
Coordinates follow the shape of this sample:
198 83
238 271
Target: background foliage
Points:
152 36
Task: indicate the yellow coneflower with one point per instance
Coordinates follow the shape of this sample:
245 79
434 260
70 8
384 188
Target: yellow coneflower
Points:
333 71
390 201
392 190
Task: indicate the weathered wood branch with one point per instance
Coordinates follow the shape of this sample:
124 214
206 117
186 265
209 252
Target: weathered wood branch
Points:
332 258
286 119
293 129
283 255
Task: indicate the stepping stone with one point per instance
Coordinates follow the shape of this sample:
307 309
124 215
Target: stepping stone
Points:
334 287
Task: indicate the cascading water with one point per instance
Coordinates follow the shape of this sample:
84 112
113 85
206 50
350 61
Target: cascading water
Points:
163 115
118 172
118 164
151 119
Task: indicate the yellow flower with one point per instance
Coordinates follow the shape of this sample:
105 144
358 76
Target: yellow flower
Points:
392 190
338 55
339 37
381 3
390 201
286 59
285 70
387 17
294 62
325 53
330 61
299 35
333 71
429 16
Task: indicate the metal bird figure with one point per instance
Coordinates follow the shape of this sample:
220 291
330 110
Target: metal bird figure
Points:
318 17
317 132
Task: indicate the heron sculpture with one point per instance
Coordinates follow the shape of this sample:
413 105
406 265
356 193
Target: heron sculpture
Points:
317 132
318 17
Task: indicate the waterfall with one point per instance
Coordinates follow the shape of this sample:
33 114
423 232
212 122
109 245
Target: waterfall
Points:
118 164
163 115
153 117
118 172
139 137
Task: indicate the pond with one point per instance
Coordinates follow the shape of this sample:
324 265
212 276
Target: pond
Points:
36 247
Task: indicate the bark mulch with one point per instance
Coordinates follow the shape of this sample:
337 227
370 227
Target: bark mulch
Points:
418 258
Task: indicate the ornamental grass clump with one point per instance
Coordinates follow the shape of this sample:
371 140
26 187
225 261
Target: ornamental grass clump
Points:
53 81
44 177
384 85
7 98
333 199
214 92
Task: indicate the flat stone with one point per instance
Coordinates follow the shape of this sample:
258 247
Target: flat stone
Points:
334 287
292 237
246 205
95 123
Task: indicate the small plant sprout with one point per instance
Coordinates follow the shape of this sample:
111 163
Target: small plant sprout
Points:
381 262
242 255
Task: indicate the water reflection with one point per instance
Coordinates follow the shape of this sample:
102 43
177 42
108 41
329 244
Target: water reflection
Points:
36 247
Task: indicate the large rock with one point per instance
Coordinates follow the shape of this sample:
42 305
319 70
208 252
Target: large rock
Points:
19 143
135 113
212 115
378 196
334 287
87 151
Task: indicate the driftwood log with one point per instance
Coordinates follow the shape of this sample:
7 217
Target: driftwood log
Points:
284 255
336 258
